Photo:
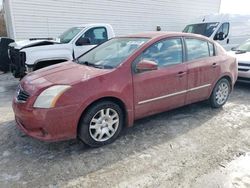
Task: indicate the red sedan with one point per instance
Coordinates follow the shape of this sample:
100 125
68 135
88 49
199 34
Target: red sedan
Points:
127 78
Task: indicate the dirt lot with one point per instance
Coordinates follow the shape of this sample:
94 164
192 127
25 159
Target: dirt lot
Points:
194 146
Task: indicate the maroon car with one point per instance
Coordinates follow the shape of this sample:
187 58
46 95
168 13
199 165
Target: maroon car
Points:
124 79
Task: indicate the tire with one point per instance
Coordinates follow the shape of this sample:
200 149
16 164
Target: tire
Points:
220 93
101 124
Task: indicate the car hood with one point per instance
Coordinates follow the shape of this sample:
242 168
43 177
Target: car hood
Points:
241 57
32 43
68 73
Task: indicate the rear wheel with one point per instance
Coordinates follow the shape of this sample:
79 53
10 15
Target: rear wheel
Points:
220 93
101 124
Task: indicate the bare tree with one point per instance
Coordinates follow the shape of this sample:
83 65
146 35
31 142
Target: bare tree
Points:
2 25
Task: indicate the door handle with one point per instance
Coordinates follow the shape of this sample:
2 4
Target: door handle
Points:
227 41
214 65
181 74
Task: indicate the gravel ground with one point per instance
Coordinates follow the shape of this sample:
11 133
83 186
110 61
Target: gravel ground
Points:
193 146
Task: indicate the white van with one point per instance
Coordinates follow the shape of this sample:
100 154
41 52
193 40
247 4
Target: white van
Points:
229 30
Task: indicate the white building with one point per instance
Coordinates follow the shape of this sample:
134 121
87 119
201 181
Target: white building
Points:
49 18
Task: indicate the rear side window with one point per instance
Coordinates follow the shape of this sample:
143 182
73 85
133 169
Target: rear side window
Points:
197 49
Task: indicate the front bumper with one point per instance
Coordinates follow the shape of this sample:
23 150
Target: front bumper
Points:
17 62
47 124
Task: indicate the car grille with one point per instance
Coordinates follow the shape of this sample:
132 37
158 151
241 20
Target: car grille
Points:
17 61
243 79
22 96
244 70
243 67
18 58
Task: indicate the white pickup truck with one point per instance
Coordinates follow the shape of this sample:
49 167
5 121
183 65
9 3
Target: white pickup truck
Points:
29 55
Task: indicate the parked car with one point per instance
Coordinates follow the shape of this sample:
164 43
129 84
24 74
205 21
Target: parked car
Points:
122 80
229 30
33 54
4 58
242 53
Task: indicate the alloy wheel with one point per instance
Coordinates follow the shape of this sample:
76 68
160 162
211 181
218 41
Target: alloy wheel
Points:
104 124
222 93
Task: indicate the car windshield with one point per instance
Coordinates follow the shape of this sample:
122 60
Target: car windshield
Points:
111 53
205 29
244 47
68 35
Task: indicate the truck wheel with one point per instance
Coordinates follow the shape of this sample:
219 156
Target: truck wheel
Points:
101 124
220 93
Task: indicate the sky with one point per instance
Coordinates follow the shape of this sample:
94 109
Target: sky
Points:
235 6
227 6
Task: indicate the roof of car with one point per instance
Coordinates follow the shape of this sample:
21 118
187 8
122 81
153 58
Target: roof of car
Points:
159 34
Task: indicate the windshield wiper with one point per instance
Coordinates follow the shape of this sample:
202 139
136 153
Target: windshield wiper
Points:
95 65
91 64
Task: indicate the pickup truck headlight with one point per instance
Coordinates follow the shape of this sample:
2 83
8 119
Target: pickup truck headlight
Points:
49 97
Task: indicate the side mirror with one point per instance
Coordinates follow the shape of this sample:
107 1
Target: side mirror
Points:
83 41
219 36
146 65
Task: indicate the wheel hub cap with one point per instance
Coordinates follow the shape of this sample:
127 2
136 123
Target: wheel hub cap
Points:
104 125
222 93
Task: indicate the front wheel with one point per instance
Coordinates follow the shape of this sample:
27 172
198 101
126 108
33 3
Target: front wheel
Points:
101 124
220 93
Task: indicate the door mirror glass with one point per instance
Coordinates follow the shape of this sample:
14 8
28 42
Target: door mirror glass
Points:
83 41
146 65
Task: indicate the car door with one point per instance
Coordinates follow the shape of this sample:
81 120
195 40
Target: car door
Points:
203 69
96 36
165 88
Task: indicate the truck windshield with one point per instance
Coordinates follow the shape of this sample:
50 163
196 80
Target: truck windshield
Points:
205 29
68 35
111 53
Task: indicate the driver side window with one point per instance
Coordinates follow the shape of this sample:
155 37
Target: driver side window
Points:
224 29
164 53
97 35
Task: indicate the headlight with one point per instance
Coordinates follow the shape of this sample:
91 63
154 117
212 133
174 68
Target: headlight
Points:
48 98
